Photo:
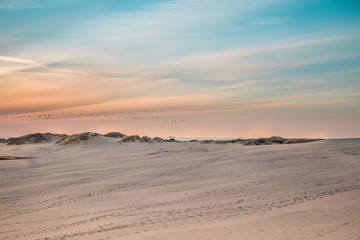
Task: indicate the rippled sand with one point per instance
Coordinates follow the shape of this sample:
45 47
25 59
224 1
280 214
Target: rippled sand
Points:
105 190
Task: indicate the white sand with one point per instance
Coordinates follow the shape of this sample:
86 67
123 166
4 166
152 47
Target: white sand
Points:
104 190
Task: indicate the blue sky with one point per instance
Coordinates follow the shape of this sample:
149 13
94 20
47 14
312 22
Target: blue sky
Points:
215 61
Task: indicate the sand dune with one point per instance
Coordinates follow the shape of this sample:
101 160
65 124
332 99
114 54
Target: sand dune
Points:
35 138
101 189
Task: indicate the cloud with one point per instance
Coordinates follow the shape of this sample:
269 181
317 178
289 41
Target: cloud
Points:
29 4
156 33
235 86
26 83
11 64
18 60
175 57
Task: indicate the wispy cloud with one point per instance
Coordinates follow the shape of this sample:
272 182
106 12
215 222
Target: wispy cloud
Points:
178 57
29 4
235 86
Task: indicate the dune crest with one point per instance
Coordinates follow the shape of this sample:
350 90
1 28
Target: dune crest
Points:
35 138
77 138
63 139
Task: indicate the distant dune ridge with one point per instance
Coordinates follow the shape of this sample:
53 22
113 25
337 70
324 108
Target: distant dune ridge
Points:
136 138
35 138
133 138
115 135
63 139
76 138
88 186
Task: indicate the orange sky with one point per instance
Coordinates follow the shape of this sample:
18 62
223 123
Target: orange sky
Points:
246 109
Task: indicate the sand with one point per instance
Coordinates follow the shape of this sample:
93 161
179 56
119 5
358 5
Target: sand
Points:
105 190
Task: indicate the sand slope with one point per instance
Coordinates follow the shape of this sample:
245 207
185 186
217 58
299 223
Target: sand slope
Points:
104 190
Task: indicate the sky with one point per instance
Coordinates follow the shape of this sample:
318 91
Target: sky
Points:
206 68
